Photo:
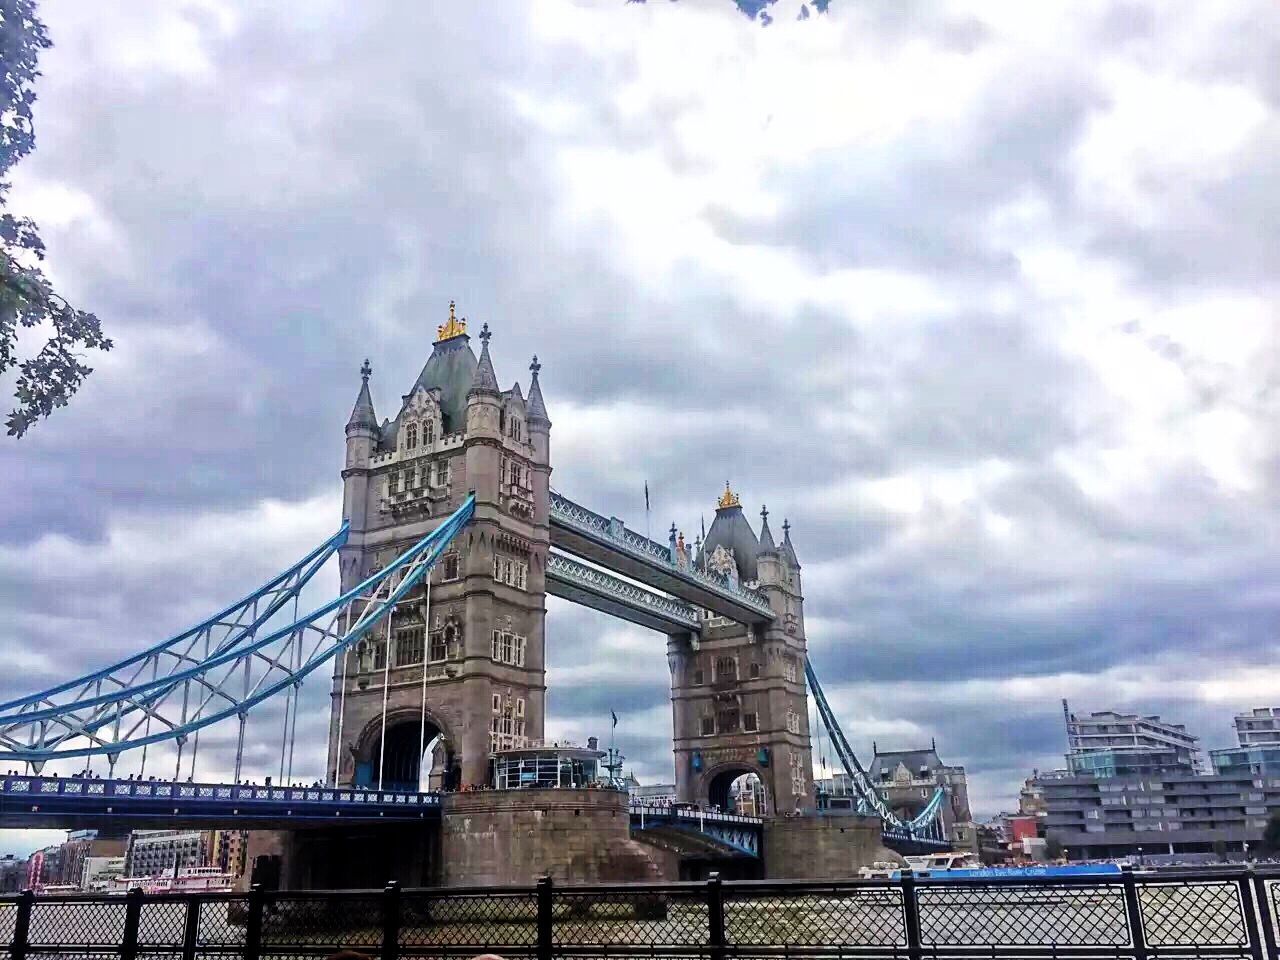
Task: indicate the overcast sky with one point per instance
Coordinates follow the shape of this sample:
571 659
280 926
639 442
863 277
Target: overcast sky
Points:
984 303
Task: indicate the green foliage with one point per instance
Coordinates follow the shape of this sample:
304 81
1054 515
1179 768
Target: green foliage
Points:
49 378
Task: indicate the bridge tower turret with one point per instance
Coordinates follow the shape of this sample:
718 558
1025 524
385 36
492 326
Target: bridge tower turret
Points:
738 695
480 639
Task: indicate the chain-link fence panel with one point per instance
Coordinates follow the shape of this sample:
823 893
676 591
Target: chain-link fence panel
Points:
1191 914
8 923
823 917
77 923
632 921
341 922
1022 915
500 922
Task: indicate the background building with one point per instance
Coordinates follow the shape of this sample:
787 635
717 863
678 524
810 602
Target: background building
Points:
98 872
1143 793
907 779
1260 727
13 873
155 853
81 846
1110 744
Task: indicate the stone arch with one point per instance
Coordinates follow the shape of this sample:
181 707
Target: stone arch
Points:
402 764
716 781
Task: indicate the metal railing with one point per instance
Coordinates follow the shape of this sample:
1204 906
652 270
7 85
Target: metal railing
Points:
1144 916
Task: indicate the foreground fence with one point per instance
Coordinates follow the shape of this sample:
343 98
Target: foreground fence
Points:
1220 915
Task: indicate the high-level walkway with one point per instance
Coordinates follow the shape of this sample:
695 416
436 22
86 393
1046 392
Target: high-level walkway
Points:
608 543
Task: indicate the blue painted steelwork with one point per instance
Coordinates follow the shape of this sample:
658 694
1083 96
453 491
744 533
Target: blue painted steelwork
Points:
924 827
615 535
743 834
259 606
31 801
228 682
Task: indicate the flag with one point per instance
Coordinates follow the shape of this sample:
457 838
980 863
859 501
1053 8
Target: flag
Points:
615 717
646 496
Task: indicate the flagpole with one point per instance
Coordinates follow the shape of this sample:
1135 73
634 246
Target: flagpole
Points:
646 511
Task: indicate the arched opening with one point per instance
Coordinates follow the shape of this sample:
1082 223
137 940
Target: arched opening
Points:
402 763
738 790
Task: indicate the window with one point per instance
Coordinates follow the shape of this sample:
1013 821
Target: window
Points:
449 567
750 723
755 671
708 726
410 478
497 703
411 436
393 482
798 780
409 642
727 721
505 730
726 669
514 573
697 678
429 432
439 650
379 655
793 722
508 648
515 430
789 669
514 473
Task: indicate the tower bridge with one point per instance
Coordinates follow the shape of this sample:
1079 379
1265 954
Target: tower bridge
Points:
451 537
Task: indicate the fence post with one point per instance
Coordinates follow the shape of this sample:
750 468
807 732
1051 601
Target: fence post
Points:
1257 915
22 925
1133 911
132 914
253 923
391 921
191 931
545 914
715 917
911 913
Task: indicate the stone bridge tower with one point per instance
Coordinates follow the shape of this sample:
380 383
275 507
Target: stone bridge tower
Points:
738 695
480 641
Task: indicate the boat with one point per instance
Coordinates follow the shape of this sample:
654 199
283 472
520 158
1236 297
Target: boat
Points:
186 880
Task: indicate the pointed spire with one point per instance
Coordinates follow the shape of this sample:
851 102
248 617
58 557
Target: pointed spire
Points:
362 414
537 410
766 535
485 380
788 550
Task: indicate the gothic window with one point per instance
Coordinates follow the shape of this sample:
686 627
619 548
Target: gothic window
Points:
411 436
793 721
697 678
726 669
789 669
708 726
750 723
798 779
439 650
409 646
727 721
514 573
516 429
497 703
515 473
410 478
755 671
508 648
379 655
449 567
429 432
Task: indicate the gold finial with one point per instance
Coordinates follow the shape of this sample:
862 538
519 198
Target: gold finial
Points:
454 328
728 499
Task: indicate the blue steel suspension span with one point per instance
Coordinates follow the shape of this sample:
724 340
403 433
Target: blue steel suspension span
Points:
217 670
869 798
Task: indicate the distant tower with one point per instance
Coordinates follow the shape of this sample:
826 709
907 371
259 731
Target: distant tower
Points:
738 697
456 431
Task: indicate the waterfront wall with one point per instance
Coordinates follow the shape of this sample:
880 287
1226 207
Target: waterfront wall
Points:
820 848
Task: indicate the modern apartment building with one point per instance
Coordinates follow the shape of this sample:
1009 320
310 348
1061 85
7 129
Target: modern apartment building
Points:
1174 812
1110 744
1260 727
155 853
1257 749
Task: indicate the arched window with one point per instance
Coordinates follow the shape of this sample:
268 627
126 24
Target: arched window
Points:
411 436
429 432
515 474
726 668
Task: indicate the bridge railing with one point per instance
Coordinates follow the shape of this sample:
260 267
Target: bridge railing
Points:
661 811
1138 916
90 788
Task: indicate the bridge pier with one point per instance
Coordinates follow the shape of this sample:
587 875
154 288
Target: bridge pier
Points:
346 857
823 848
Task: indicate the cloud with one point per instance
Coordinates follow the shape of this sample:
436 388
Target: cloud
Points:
983 303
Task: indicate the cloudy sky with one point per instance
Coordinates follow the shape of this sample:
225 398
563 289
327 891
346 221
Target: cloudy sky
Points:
984 302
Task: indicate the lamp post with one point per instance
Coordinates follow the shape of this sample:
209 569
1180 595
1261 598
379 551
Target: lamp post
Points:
1246 851
1140 862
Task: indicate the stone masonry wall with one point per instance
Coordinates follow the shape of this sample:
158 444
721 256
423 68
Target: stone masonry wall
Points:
822 848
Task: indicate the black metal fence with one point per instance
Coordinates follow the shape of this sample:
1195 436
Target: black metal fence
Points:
1218 915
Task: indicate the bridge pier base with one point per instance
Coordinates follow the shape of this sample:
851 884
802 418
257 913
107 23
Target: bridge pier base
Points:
501 837
344 857
823 848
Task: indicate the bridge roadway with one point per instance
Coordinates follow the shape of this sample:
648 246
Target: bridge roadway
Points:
75 803
608 543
